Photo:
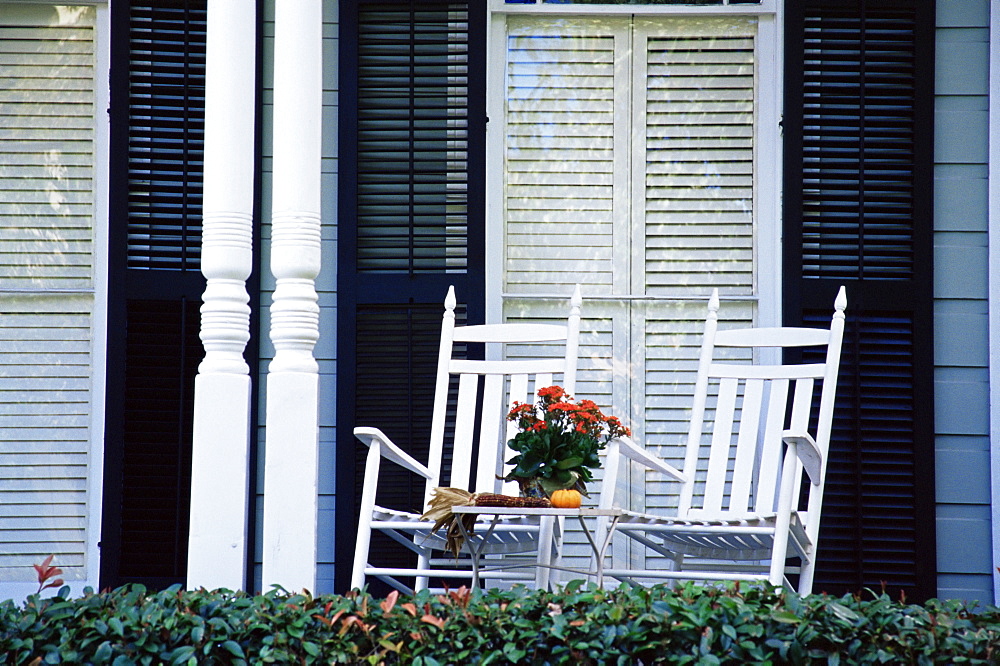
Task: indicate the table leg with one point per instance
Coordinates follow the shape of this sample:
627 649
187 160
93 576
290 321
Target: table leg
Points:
475 552
599 552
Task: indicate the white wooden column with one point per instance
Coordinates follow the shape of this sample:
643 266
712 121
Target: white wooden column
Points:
219 502
292 434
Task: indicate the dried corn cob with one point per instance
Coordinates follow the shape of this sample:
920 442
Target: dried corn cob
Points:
489 499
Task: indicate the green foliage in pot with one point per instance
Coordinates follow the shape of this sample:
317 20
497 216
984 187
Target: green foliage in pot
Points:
559 440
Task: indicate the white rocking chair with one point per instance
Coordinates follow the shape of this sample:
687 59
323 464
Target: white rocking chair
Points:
739 514
493 385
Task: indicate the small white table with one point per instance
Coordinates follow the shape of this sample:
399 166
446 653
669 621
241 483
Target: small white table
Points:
476 543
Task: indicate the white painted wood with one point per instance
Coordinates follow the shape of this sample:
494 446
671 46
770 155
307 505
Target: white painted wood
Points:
764 8
770 456
492 435
217 540
746 446
764 337
464 430
290 482
95 488
290 470
814 370
53 300
650 212
712 520
221 434
503 382
508 333
547 365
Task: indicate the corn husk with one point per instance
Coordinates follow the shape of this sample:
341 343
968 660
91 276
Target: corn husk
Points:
444 500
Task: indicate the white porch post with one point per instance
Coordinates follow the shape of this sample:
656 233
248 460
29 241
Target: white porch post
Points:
217 541
292 435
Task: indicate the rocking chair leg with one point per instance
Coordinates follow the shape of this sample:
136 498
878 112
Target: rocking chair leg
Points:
364 522
806 573
421 583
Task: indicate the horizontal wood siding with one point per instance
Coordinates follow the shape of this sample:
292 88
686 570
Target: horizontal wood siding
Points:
961 349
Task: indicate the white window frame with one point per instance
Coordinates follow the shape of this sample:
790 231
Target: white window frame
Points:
99 342
767 146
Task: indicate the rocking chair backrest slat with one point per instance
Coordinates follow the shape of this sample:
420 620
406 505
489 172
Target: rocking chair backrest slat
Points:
487 390
746 444
749 409
491 431
468 386
770 457
718 461
521 391
541 381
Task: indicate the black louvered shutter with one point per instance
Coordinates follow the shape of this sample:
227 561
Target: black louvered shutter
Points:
158 93
858 211
411 223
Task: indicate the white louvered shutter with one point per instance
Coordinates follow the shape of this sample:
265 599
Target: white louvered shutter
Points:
46 285
629 166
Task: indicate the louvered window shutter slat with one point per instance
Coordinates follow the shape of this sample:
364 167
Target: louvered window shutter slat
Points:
412 137
858 183
46 279
166 134
632 178
156 290
411 224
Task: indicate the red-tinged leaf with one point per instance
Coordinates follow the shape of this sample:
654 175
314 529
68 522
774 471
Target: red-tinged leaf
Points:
327 621
54 583
336 616
389 602
364 607
417 636
430 619
577 623
409 608
326 609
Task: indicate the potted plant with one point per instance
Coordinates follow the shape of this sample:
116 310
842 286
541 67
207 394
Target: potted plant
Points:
558 442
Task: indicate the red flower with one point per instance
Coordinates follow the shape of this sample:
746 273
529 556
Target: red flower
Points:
553 392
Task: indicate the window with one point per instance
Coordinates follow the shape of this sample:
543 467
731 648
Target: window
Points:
634 150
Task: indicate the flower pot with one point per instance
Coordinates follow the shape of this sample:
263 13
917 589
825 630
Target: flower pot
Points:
531 488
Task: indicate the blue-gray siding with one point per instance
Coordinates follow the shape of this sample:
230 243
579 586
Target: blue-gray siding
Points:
326 287
961 350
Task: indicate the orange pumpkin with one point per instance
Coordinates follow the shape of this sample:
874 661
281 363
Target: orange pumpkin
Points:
566 498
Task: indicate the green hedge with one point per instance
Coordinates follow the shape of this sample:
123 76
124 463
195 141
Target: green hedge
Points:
686 624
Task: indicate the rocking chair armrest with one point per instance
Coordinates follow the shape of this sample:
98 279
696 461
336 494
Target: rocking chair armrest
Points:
634 452
390 451
807 451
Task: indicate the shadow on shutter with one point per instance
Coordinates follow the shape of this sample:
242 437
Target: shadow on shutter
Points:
412 123
858 182
156 287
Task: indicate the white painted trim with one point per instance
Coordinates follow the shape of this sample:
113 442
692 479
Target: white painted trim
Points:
768 171
221 430
496 57
291 461
765 7
99 349
994 285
